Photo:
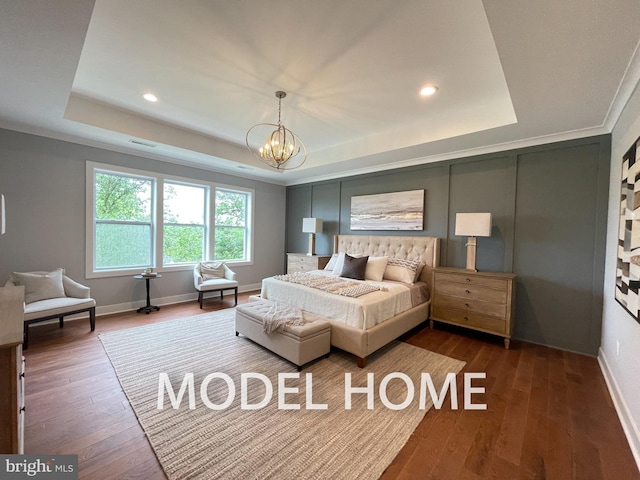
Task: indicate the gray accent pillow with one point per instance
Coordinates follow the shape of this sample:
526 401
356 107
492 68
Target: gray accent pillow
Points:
40 286
354 267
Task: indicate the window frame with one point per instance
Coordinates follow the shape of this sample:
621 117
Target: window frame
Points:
148 223
248 236
157 216
207 218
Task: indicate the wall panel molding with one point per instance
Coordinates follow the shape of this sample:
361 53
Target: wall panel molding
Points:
570 177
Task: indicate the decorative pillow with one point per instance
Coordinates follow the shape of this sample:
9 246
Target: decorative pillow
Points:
212 270
40 286
375 268
354 267
332 262
421 266
337 268
400 270
338 264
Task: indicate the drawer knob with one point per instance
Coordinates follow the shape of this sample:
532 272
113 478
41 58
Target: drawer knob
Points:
466 319
468 279
466 305
468 292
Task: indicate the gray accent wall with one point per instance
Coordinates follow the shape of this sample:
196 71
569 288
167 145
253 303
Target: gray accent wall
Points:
549 208
43 181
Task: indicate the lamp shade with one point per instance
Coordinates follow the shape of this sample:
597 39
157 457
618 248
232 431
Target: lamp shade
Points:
311 225
473 224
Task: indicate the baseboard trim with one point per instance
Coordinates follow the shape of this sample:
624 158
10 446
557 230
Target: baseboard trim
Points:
629 426
129 306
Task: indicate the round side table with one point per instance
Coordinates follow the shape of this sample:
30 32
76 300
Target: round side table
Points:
148 308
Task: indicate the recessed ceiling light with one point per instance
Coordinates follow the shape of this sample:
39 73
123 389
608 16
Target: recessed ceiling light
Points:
428 90
150 97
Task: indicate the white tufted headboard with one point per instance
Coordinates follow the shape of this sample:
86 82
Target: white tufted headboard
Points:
407 248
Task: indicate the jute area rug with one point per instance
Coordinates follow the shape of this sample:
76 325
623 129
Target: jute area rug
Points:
270 442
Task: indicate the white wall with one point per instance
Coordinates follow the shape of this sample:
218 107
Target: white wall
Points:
621 366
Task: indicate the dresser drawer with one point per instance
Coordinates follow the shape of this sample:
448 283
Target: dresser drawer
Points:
293 267
300 262
472 292
472 280
482 301
492 309
469 319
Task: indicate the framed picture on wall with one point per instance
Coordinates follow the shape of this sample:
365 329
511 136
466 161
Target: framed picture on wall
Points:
628 265
388 211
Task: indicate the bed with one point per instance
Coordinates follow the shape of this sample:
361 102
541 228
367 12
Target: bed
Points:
353 326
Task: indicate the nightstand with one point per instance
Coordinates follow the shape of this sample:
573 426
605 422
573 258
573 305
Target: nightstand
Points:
483 301
301 262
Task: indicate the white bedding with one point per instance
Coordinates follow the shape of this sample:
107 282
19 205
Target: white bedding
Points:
363 312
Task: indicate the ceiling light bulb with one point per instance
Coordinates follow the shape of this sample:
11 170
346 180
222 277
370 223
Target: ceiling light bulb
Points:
429 90
150 97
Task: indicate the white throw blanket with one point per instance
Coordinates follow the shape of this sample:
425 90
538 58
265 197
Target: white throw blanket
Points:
363 312
331 284
281 315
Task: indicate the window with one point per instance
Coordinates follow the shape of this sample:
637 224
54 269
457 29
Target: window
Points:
123 221
140 219
185 224
231 232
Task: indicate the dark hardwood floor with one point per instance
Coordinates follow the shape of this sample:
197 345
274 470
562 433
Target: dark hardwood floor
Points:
549 413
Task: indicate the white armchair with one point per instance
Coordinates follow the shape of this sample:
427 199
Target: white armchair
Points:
214 277
50 295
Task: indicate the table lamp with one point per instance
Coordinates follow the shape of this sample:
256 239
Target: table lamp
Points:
473 225
312 226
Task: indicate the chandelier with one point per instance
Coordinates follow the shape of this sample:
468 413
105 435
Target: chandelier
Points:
279 148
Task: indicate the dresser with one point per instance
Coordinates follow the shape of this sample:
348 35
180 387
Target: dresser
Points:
483 301
301 262
11 370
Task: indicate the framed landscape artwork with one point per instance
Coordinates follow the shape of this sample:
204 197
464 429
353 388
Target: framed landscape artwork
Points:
628 266
388 211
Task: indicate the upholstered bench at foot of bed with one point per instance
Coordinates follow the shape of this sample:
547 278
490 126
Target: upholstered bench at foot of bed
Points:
298 344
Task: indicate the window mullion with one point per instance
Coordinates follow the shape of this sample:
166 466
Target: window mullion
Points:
158 245
212 223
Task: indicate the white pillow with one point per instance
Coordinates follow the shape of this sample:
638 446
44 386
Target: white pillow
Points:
338 265
400 270
211 270
40 286
375 268
332 262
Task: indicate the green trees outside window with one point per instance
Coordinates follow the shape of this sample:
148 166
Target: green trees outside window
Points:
124 230
123 226
231 225
184 214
